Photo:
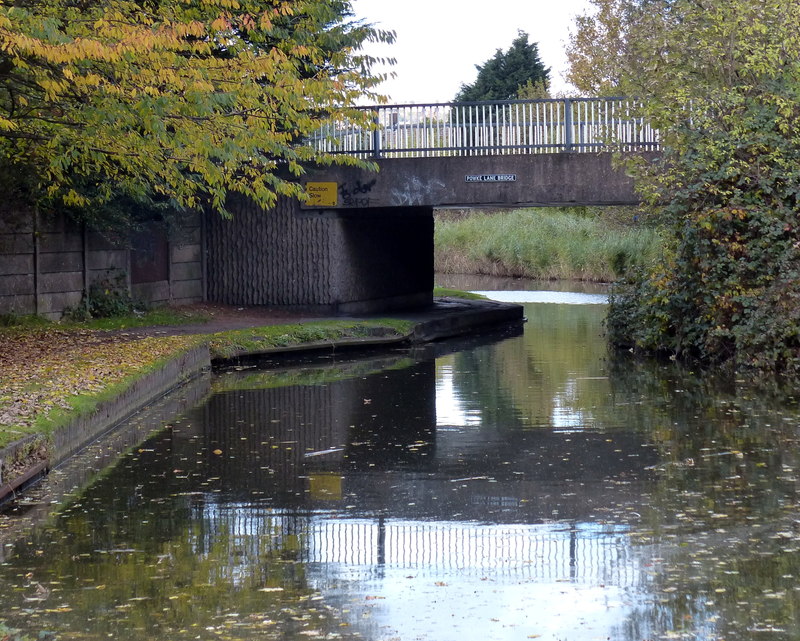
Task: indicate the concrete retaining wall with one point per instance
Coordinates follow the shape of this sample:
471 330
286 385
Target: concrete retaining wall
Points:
46 264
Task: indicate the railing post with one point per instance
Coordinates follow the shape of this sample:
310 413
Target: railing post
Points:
376 135
568 134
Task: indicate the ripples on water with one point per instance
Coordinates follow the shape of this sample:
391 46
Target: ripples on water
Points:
505 487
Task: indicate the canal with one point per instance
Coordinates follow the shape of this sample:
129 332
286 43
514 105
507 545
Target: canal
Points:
524 484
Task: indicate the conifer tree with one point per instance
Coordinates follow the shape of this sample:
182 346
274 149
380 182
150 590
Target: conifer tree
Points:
502 76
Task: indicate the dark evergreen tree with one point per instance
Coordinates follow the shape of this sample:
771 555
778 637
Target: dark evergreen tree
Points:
501 77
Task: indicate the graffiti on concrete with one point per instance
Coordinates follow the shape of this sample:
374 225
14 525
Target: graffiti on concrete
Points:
415 191
356 194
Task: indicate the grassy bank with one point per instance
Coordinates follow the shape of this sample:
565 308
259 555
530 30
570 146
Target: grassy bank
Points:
49 374
232 343
544 244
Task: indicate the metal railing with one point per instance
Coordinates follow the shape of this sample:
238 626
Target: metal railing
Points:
492 128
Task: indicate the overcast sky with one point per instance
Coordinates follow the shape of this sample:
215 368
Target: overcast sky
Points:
439 42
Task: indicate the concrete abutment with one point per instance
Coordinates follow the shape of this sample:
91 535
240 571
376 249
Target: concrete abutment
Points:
341 262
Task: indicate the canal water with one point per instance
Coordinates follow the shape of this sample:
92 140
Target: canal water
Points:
517 485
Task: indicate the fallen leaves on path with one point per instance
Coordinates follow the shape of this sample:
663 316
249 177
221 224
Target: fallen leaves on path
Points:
41 369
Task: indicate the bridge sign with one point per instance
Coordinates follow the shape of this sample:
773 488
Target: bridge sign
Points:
491 178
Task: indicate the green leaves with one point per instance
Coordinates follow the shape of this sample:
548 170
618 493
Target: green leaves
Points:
184 100
507 72
720 81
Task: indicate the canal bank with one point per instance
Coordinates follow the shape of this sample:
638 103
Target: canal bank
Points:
229 339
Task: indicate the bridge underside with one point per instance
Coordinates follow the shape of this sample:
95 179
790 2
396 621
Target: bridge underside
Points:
367 245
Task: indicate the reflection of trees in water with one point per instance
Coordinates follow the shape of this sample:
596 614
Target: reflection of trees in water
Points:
479 380
718 533
719 450
549 375
724 508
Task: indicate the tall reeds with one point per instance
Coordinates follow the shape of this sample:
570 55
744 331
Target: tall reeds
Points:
544 244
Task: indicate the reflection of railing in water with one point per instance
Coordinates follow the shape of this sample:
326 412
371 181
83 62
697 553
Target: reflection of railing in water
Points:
489 128
584 553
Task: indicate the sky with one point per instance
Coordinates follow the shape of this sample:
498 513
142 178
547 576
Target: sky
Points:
439 42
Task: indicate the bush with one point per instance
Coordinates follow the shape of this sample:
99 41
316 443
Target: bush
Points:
105 298
729 292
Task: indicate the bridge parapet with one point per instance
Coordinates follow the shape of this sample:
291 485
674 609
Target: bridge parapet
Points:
494 128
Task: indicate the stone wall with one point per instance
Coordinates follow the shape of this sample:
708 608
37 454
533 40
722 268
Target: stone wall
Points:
46 264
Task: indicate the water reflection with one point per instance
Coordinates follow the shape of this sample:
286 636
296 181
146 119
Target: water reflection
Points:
538 296
529 487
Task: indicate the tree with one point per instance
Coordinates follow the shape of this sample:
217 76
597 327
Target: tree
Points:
502 76
596 50
173 102
533 90
721 82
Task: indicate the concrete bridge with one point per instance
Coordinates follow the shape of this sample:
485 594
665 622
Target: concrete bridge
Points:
507 154
365 241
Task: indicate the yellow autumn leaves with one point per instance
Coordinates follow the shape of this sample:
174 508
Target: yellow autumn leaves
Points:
185 100
41 370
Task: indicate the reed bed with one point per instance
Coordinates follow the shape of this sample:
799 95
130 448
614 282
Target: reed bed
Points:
544 243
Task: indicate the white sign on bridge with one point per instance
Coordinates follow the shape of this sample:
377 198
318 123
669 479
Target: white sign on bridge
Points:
492 178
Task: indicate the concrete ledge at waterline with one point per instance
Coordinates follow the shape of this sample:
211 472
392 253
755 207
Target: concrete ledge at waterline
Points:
82 430
314 346
459 316
446 318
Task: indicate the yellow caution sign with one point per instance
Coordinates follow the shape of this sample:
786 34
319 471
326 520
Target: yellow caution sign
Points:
322 194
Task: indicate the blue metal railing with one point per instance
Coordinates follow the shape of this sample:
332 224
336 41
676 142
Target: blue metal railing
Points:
491 128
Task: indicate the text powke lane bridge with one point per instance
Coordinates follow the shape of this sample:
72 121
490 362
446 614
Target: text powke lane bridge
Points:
365 241
508 153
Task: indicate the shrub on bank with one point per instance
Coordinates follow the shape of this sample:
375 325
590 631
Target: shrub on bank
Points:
543 244
729 292
725 185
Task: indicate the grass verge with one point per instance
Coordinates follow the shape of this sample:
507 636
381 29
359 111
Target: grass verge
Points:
84 404
155 317
445 292
258 339
544 244
159 316
62 374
